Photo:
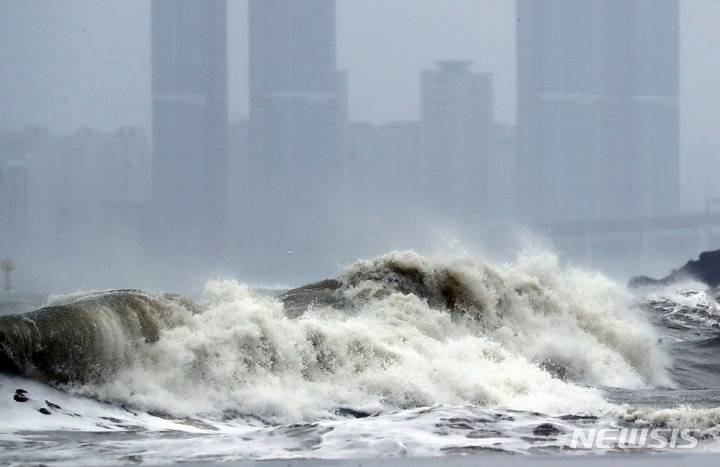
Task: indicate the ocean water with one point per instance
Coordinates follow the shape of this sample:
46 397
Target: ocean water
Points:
410 356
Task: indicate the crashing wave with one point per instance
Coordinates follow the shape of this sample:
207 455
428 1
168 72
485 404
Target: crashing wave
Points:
397 331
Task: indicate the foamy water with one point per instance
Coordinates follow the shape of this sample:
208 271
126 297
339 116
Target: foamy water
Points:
523 326
435 356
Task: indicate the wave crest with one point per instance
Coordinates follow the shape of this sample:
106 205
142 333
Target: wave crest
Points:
400 331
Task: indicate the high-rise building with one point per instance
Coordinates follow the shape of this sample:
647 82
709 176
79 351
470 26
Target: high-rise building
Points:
598 119
380 165
297 107
502 166
456 110
103 176
67 199
29 191
190 123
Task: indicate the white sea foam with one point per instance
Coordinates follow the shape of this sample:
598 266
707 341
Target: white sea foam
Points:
687 304
528 335
703 421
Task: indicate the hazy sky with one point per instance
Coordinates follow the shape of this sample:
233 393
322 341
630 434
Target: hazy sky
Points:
72 63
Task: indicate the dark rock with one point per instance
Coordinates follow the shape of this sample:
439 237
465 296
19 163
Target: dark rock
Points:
470 450
706 269
349 412
577 417
44 411
637 282
20 397
546 429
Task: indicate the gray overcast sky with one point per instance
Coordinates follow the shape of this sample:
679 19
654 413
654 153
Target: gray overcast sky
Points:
72 63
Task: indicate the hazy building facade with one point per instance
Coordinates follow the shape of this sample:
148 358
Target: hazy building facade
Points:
296 124
29 183
60 193
238 147
598 119
105 183
190 123
380 170
502 169
456 112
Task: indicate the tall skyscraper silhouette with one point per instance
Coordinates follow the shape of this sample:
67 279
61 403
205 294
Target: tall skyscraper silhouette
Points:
456 110
296 119
598 118
190 122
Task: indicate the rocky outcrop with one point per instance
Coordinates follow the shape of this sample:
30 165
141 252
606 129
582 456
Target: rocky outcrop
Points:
706 269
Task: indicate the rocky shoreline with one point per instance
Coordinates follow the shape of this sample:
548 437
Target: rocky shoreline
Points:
706 269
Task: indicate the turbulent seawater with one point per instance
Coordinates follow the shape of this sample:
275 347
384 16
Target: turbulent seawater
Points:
518 357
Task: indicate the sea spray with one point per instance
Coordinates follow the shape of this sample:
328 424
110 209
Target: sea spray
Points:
402 331
582 324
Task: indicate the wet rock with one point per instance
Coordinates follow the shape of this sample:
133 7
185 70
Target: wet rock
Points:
705 269
546 429
470 450
349 412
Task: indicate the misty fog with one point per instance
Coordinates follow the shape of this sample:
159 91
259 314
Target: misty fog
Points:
158 144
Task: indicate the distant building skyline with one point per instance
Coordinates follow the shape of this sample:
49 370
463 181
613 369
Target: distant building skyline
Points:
311 190
190 123
57 191
598 114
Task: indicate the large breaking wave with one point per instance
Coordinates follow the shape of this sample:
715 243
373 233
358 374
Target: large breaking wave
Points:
395 332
